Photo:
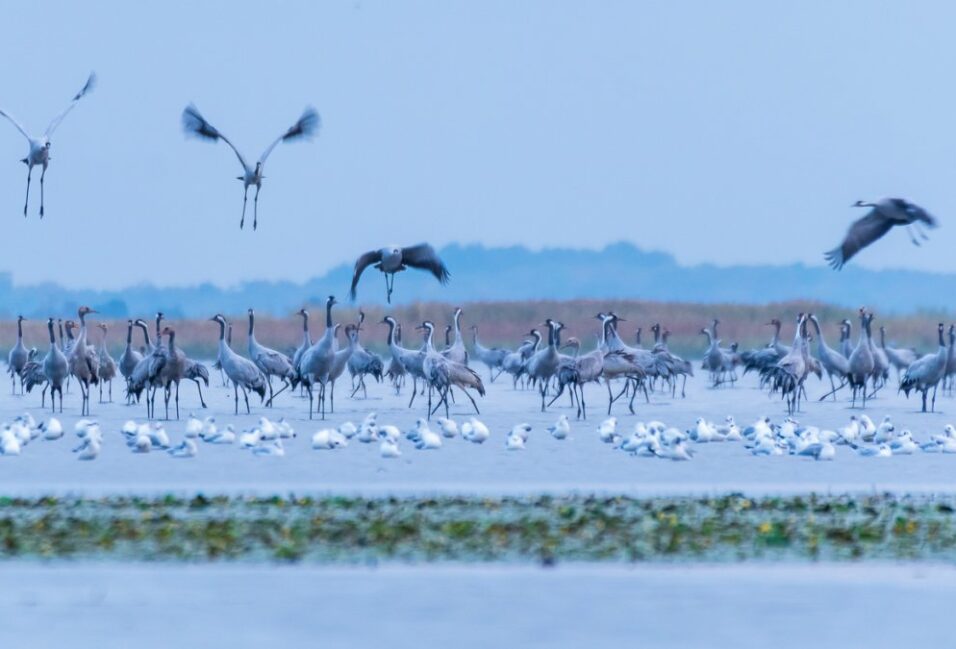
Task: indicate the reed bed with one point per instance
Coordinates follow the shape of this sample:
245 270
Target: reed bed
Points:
507 323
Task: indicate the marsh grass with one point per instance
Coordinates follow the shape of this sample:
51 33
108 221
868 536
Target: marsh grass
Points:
507 323
461 529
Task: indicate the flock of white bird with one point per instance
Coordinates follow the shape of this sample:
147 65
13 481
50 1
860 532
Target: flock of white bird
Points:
647 439
766 438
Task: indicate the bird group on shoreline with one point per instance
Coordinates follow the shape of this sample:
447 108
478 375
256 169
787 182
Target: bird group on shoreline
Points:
441 376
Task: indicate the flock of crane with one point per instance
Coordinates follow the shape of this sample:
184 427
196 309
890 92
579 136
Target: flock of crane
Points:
539 362
438 375
863 367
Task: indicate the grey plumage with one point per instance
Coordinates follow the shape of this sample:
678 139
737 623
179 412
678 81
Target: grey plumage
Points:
927 372
241 371
393 260
883 215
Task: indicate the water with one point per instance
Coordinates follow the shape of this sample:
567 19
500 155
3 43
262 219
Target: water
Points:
759 606
253 605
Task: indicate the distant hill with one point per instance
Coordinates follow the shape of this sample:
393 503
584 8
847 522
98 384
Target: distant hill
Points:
478 273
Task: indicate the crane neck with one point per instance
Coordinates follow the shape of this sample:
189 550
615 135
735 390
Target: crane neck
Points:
19 329
49 326
129 334
145 329
457 327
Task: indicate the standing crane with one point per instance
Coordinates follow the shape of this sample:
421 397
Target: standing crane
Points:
241 371
17 358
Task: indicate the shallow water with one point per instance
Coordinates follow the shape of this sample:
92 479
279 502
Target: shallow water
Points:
580 463
150 605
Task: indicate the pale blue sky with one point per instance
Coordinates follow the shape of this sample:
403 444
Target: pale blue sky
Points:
722 132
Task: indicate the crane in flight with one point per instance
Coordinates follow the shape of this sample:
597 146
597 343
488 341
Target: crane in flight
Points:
39 154
194 124
392 259
883 215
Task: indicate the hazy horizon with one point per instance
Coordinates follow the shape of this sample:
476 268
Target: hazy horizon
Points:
725 134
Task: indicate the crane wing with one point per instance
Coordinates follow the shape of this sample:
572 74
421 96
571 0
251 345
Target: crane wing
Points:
15 123
423 256
196 125
363 262
304 128
919 214
87 87
862 233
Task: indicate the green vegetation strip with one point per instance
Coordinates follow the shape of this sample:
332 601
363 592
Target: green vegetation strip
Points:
463 529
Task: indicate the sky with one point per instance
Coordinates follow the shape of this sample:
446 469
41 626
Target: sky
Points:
735 132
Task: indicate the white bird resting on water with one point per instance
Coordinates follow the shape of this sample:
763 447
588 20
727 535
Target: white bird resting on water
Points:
388 448
185 449
561 428
475 431
329 439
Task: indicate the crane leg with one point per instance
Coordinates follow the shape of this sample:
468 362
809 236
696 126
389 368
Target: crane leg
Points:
198 387
177 400
559 393
255 208
582 406
245 395
245 198
475 405
42 176
27 201
235 394
909 231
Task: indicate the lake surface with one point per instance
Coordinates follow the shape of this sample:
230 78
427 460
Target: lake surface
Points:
743 606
